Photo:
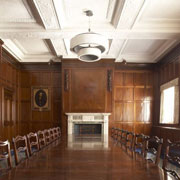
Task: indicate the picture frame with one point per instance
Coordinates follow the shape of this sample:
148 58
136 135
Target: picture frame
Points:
40 98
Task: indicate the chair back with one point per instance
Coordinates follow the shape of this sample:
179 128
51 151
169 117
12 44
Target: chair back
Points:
116 133
124 137
5 152
119 135
55 132
153 147
47 136
59 131
172 156
139 143
51 133
41 139
130 140
20 147
112 131
33 143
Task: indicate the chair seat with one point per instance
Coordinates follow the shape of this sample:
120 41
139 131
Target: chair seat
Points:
151 156
138 150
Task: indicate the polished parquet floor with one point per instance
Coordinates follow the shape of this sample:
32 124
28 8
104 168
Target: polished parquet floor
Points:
85 158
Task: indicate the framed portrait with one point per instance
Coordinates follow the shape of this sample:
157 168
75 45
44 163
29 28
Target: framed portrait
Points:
40 98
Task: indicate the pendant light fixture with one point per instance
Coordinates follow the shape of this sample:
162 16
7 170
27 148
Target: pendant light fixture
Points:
89 46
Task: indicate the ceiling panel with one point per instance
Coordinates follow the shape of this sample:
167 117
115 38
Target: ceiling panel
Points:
142 46
71 13
138 30
162 9
32 46
17 11
159 14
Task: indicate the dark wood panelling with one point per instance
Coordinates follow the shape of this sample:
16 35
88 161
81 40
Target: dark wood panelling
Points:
88 89
167 69
133 99
39 120
9 95
130 101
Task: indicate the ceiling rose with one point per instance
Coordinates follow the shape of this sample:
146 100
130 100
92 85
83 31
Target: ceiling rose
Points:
89 46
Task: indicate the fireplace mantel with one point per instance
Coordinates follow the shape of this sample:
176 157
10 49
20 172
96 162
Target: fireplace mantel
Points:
88 118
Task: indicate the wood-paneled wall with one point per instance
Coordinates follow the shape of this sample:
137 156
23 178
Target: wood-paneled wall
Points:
129 98
40 75
16 81
166 70
124 91
9 96
85 88
133 100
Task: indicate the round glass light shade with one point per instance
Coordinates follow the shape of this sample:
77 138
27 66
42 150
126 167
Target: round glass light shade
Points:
89 46
89 54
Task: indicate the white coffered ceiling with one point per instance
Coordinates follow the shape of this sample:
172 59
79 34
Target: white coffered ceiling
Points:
139 31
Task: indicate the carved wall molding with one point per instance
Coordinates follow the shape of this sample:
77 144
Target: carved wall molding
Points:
66 80
109 80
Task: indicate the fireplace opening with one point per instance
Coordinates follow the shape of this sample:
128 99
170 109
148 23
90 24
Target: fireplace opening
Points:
87 129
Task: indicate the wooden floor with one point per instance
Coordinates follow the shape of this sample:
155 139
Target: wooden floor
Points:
84 159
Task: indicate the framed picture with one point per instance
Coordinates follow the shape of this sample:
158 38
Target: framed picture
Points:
40 98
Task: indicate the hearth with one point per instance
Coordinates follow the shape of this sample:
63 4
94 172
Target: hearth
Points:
80 129
85 122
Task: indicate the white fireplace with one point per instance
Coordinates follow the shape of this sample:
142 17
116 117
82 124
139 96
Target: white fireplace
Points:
88 118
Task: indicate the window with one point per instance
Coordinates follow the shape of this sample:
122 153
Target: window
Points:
170 103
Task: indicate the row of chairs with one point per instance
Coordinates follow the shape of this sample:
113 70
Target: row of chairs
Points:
28 145
150 148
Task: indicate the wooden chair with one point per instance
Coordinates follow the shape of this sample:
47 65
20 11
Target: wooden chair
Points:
112 131
59 131
124 137
116 133
51 133
47 136
56 135
130 140
33 144
119 135
5 153
41 139
139 143
172 156
20 147
153 147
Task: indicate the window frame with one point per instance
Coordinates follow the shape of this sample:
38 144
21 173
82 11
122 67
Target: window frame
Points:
173 83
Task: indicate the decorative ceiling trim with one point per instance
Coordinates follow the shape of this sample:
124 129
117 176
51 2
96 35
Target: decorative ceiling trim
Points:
59 47
47 13
110 11
67 34
126 13
117 12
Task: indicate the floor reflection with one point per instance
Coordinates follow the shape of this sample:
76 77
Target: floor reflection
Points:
87 142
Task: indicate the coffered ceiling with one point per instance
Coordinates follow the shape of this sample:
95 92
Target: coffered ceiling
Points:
139 31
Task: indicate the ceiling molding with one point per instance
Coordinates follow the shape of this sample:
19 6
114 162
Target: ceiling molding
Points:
151 33
110 11
126 12
47 13
59 47
69 33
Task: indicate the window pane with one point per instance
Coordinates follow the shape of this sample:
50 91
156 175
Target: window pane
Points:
168 105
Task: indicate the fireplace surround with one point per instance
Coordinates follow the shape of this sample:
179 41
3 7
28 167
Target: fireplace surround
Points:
88 118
